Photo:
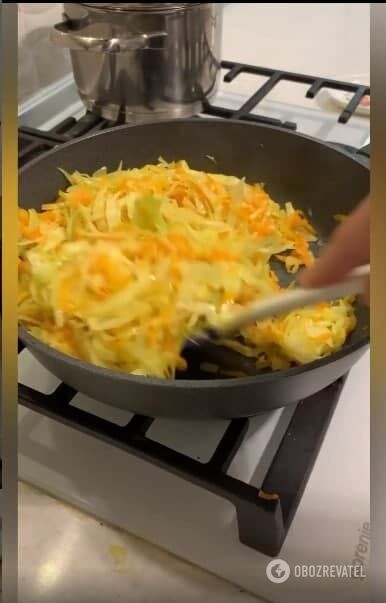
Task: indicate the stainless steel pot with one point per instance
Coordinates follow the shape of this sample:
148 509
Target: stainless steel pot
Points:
143 62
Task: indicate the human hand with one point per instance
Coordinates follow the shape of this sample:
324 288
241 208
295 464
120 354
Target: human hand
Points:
348 248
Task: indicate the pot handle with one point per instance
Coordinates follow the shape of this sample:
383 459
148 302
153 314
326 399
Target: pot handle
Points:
64 37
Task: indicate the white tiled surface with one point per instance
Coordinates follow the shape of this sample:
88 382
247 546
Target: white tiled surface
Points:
40 62
329 39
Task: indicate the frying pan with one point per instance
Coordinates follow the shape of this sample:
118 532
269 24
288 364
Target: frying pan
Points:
317 177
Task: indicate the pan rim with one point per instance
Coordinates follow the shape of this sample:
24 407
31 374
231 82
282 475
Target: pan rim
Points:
339 150
32 342
190 383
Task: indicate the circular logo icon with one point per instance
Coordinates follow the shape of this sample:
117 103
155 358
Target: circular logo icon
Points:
278 571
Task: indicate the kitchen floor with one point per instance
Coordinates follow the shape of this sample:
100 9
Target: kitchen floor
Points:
77 558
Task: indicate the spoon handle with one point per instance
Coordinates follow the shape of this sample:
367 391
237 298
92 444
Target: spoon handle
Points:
354 284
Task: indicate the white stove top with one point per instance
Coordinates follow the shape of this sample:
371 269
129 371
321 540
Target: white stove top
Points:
193 523
187 520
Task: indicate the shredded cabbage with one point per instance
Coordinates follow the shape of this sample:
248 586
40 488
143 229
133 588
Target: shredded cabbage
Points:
123 266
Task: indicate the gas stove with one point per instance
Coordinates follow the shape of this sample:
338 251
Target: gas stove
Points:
225 495
68 120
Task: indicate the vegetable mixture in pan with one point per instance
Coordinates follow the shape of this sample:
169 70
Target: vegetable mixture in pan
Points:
123 266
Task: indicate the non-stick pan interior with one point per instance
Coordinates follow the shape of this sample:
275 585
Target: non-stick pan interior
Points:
316 178
313 176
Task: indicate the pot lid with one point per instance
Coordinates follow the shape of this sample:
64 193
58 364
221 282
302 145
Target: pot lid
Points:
141 6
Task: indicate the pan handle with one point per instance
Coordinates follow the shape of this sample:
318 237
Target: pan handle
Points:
63 36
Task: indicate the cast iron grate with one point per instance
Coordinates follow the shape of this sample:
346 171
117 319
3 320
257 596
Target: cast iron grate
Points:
264 514
275 76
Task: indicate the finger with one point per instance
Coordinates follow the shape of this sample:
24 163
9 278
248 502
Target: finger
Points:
349 247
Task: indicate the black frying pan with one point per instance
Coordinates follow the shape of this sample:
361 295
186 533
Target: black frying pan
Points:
313 175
